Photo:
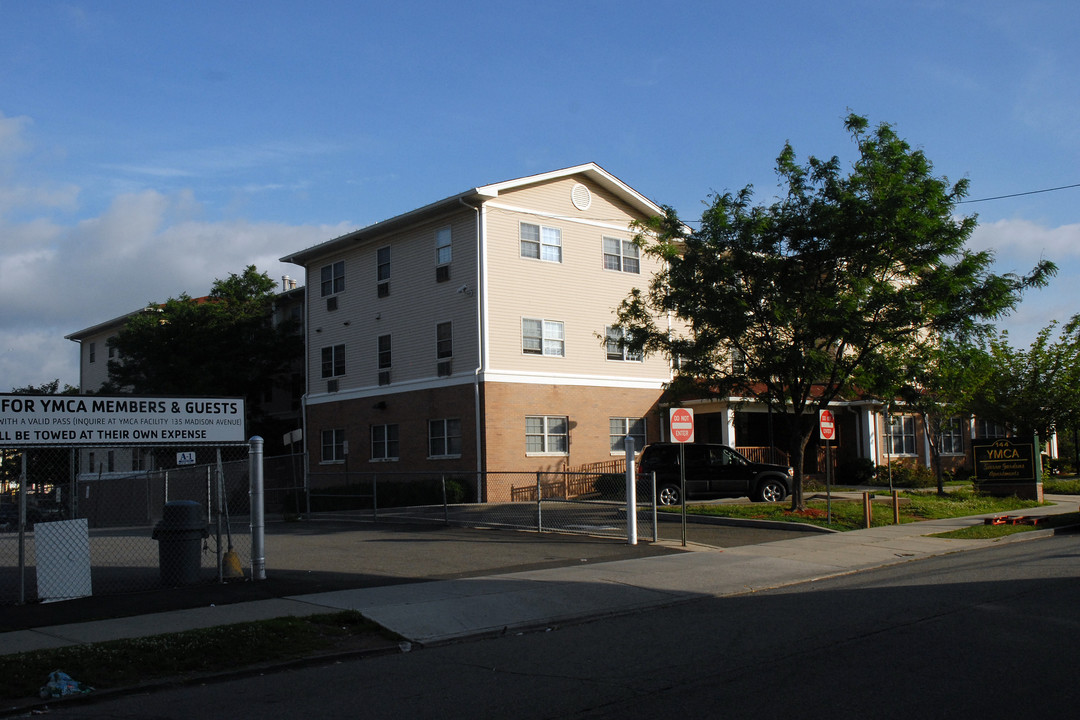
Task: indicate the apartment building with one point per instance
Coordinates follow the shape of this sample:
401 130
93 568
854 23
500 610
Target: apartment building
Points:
474 334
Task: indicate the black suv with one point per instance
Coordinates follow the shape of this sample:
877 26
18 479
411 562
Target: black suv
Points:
713 471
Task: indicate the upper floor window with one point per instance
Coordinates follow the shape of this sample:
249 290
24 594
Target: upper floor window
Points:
333 278
333 361
616 350
444 340
384 352
900 434
93 352
622 255
542 337
543 243
442 246
382 271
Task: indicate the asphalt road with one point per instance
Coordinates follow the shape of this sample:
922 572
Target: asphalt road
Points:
978 634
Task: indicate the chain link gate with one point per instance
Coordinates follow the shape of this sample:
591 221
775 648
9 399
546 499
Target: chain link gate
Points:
99 531
101 495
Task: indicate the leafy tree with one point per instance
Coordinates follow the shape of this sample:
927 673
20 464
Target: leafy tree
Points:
1034 390
829 288
221 345
942 384
49 388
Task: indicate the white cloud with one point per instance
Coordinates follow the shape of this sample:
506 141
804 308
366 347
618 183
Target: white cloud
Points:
1027 238
1018 245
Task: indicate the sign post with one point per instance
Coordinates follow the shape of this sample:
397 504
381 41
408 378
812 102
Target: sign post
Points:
681 426
827 430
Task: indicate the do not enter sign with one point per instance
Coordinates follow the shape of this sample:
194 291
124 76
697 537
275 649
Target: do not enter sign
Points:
681 421
827 424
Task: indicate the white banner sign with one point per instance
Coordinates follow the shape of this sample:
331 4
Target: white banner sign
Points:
93 420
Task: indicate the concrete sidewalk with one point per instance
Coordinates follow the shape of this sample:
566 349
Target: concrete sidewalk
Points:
429 613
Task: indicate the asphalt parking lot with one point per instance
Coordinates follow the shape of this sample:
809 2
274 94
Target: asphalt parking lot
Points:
314 556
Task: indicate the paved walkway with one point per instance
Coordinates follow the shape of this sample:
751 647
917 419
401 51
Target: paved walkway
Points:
436 612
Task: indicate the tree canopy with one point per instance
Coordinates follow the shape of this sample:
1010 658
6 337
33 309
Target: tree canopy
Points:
826 290
222 345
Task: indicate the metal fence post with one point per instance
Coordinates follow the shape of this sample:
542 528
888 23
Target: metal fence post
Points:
539 511
445 509
258 519
655 520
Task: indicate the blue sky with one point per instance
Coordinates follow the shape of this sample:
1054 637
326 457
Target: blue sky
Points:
147 148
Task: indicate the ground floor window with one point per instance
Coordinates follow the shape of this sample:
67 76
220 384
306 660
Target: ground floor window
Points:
620 427
444 438
384 442
900 434
951 437
547 434
333 445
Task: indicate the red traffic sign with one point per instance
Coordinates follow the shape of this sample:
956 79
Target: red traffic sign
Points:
827 424
681 422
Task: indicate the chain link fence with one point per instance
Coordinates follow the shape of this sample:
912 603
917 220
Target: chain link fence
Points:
72 525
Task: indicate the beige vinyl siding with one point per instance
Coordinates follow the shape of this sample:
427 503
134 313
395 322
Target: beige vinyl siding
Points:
578 291
409 314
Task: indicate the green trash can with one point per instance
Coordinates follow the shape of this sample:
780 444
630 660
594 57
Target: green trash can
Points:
180 536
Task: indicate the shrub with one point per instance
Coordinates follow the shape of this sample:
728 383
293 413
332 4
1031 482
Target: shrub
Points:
908 475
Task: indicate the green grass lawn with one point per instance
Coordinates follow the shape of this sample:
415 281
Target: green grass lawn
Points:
848 515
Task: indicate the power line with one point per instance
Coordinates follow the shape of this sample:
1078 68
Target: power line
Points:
1030 192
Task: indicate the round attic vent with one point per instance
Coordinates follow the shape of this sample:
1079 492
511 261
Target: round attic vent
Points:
581 197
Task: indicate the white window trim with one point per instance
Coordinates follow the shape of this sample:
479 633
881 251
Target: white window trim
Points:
622 255
889 436
393 458
626 422
546 435
540 243
957 431
445 437
627 355
544 337
322 446
448 245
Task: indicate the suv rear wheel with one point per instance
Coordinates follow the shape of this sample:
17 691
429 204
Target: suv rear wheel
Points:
771 490
668 495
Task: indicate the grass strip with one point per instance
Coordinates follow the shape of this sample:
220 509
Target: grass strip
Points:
848 514
125 663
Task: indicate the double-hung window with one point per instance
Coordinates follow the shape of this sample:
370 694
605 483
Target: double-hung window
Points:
444 438
616 350
333 445
620 428
547 435
951 437
382 271
900 434
333 278
384 442
989 429
621 255
444 340
442 246
542 337
541 242
333 361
